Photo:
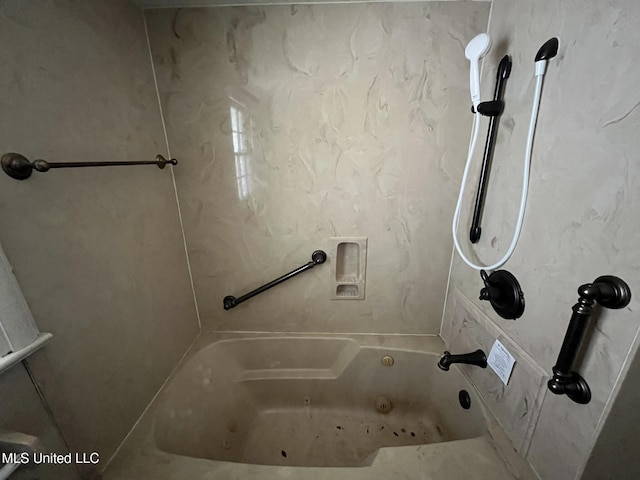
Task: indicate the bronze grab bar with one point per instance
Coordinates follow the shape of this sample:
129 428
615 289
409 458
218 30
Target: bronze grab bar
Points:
317 258
608 291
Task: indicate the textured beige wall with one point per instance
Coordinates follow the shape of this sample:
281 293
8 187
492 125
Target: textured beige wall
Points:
582 219
98 252
352 128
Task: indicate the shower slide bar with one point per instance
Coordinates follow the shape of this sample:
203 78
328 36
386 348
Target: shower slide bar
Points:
19 167
608 291
493 110
317 258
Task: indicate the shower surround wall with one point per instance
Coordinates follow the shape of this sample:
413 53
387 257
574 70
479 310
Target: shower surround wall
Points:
581 220
98 252
301 123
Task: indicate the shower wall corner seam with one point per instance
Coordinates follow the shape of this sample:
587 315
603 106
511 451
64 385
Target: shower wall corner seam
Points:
153 399
173 178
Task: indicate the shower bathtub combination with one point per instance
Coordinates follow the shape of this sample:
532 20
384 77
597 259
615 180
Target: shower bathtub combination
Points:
276 406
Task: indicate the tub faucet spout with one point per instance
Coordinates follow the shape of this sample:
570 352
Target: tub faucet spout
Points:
477 358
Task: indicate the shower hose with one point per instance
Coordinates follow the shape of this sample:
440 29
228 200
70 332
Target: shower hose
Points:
525 183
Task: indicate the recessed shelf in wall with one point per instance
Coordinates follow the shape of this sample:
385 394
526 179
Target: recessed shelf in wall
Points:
348 266
10 359
347 291
347 261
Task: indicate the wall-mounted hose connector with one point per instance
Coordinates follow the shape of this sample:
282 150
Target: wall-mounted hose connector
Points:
546 53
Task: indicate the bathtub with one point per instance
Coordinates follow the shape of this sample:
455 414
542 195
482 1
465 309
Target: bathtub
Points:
266 406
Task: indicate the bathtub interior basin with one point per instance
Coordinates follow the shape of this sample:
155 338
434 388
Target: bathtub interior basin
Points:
325 402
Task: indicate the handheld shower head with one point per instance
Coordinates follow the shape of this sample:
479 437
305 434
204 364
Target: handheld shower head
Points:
547 51
477 48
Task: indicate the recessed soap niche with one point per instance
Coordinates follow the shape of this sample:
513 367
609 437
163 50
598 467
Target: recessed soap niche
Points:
348 267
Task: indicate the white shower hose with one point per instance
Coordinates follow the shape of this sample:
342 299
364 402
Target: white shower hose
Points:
525 183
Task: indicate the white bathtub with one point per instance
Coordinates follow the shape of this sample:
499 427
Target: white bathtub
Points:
273 407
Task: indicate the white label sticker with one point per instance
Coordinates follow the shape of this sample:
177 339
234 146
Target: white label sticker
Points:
501 361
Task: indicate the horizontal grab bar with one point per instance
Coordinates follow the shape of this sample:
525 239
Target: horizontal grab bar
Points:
317 258
19 167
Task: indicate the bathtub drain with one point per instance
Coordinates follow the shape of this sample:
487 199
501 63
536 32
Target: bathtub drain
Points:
465 399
